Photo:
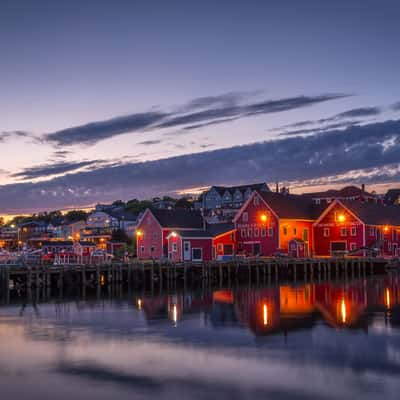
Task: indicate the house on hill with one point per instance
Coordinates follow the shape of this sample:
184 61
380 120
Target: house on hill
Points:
350 225
346 193
230 196
392 197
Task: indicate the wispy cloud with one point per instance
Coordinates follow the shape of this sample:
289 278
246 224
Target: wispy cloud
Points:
208 110
396 106
5 135
149 142
46 170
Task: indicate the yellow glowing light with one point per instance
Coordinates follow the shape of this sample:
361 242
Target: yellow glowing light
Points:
174 313
102 280
13 226
343 311
265 315
264 217
173 234
102 239
139 304
386 228
139 233
387 295
341 218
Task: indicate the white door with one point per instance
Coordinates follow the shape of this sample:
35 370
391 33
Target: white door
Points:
186 251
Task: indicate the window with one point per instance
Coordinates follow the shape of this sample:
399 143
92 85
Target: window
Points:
270 232
284 230
353 231
197 254
220 247
245 216
263 232
326 232
294 231
152 249
174 247
305 234
343 232
232 237
155 235
353 246
228 249
142 249
372 231
256 200
243 233
390 246
256 232
250 232
395 235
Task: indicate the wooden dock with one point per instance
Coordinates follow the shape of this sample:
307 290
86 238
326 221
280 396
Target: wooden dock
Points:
159 276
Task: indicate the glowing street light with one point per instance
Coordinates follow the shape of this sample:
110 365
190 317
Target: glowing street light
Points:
264 217
341 218
265 315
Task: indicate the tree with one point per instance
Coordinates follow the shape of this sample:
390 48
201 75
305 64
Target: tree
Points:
76 215
183 203
120 236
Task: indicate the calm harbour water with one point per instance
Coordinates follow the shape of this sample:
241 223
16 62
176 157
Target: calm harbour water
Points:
323 341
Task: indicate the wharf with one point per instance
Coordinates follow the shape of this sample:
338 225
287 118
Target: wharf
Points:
158 275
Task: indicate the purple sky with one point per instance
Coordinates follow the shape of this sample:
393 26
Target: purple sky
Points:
113 100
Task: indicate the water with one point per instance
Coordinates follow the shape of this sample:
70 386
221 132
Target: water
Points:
321 341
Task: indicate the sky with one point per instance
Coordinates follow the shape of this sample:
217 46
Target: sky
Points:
105 100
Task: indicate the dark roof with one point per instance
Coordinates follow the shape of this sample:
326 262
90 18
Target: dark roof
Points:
179 218
57 243
86 243
123 215
347 191
231 189
292 206
391 196
374 213
212 230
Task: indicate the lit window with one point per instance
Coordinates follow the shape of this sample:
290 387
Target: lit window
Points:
353 231
343 232
245 217
294 231
284 230
326 232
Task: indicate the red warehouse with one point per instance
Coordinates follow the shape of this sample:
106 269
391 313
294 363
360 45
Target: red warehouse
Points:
155 226
216 241
267 222
354 226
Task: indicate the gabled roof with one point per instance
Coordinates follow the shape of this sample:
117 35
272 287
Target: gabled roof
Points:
211 231
232 189
347 191
179 218
374 213
292 206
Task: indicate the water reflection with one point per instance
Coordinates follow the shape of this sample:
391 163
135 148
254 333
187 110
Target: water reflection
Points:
278 341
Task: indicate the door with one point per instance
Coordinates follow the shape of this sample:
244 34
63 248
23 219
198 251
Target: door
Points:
186 251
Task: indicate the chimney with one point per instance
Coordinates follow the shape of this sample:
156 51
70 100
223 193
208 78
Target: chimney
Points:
363 187
277 187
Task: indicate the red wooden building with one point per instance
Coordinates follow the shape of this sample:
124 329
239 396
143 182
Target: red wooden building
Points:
355 227
155 226
214 242
267 222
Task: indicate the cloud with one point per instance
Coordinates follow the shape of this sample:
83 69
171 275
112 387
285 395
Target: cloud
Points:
150 142
396 106
370 147
352 113
222 107
327 128
100 130
9 134
45 170
198 126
